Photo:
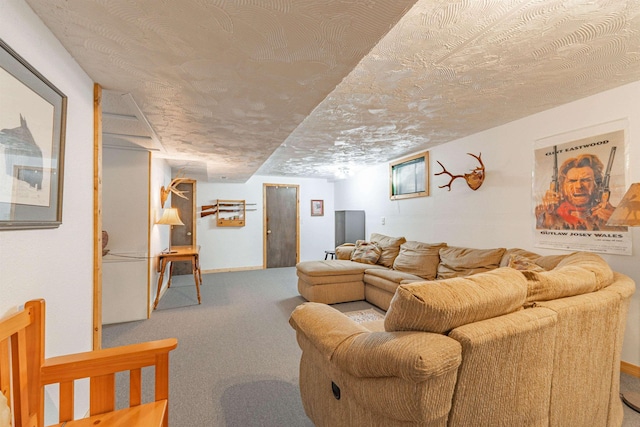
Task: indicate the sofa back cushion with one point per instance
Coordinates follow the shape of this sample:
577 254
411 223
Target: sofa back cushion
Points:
523 263
439 306
461 262
548 262
506 257
366 252
390 247
419 259
576 274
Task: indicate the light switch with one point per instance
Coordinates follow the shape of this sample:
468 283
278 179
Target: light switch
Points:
382 220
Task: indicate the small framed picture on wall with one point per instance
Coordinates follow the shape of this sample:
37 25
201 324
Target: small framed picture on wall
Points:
317 207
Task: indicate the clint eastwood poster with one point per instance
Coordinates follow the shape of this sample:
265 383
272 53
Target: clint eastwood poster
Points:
579 178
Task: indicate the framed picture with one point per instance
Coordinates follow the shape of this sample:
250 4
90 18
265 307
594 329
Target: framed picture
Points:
32 132
317 207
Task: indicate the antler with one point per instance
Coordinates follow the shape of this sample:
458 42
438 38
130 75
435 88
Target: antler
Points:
478 158
164 192
474 179
453 177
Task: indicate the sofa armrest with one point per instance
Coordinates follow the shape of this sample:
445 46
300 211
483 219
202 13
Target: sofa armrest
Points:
412 356
344 251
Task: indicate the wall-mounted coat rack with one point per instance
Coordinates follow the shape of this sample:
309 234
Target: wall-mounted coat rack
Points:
229 213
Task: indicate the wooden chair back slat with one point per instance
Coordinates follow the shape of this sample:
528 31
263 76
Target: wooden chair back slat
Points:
19 360
5 383
135 387
102 397
67 400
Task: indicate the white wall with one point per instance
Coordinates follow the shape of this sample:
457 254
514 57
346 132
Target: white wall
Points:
125 216
499 214
241 247
55 264
131 206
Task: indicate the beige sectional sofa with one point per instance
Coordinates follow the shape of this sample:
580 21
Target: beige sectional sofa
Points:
534 343
400 261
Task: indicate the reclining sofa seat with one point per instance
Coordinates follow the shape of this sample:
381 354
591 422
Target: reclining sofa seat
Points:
502 347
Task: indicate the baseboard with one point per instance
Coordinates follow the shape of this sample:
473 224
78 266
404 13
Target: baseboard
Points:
228 270
629 369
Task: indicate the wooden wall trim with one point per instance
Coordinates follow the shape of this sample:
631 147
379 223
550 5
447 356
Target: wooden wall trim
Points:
97 216
149 225
628 368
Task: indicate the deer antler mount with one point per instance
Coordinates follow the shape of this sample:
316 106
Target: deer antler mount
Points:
474 179
172 188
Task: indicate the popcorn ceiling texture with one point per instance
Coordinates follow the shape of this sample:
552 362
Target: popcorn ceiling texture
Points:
308 88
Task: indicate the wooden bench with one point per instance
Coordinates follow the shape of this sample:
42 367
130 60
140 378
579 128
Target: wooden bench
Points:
24 372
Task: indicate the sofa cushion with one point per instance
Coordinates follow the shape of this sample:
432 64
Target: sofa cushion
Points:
506 257
549 262
419 259
331 267
593 263
326 280
390 248
576 274
460 262
439 306
391 275
387 280
366 252
523 263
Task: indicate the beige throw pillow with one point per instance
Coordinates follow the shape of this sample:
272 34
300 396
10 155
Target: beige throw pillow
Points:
366 252
460 262
390 248
419 259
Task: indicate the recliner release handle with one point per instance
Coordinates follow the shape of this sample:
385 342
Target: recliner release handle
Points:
336 390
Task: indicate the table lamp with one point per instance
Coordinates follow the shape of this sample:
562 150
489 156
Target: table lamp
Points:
170 217
628 213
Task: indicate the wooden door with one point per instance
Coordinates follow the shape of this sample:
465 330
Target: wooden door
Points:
281 225
184 235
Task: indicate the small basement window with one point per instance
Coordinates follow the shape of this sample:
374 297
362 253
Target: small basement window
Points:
409 177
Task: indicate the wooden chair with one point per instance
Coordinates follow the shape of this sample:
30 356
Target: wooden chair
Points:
24 372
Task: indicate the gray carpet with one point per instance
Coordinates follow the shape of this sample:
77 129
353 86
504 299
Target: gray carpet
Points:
631 384
237 358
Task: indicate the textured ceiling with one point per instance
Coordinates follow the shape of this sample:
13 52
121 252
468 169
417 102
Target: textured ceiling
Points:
306 88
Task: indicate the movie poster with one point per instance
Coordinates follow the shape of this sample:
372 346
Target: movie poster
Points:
577 183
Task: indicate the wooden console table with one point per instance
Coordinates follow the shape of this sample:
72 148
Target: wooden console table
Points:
179 253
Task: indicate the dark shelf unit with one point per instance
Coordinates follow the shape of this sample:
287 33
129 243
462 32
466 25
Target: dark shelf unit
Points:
349 226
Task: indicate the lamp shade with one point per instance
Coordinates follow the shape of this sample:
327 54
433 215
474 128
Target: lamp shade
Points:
628 210
170 217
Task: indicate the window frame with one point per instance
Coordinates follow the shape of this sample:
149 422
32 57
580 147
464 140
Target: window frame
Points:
398 165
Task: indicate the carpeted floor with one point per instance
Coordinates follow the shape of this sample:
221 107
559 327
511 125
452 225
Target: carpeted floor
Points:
237 358
630 384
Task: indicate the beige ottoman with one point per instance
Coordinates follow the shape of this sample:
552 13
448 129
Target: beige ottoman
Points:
332 281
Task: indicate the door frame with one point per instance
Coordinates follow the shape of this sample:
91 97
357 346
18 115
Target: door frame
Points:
264 220
97 217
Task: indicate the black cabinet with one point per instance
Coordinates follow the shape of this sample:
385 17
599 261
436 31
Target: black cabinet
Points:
349 226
